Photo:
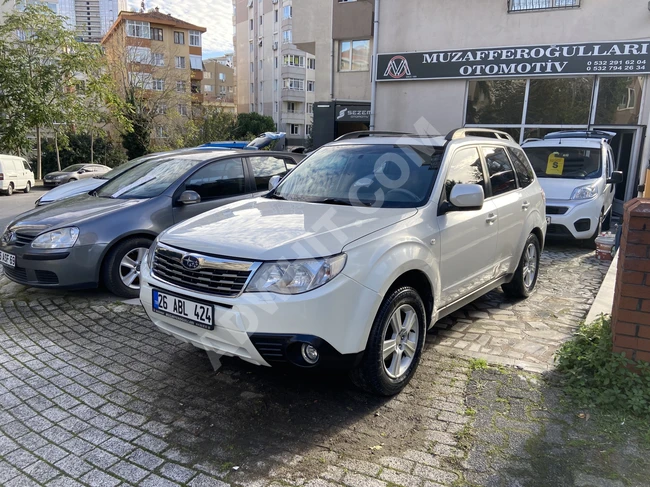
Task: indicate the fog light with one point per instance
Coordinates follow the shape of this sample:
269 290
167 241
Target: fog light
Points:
309 353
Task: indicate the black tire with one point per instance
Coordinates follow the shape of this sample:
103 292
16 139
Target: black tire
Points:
371 374
591 241
112 264
607 222
518 288
28 188
10 189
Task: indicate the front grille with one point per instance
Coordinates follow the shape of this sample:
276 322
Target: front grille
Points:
271 348
16 273
214 275
46 277
556 210
23 240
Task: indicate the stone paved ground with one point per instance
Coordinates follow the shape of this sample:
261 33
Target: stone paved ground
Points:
92 394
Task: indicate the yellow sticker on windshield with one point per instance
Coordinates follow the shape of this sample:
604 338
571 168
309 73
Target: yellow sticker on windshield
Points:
555 165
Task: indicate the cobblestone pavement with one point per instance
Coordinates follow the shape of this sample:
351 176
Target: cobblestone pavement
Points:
92 394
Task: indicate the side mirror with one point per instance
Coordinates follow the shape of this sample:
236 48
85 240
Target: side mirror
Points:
81 171
273 182
189 198
617 177
467 196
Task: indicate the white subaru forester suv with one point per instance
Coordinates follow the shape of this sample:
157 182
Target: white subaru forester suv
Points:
354 255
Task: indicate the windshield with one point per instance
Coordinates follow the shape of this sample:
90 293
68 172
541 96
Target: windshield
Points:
115 172
149 179
565 162
387 176
73 168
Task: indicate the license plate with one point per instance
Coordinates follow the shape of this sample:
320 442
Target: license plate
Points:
548 220
185 310
7 259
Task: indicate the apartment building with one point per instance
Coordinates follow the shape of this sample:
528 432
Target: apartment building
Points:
158 58
91 18
273 76
339 34
7 6
218 84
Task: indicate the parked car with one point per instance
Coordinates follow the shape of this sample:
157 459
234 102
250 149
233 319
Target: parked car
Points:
87 185
15 173
74 173
362 247
576 171
101 237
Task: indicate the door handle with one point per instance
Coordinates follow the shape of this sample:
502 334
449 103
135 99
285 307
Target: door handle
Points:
491 218
525 205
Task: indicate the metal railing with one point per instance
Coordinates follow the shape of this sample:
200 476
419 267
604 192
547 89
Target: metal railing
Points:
528 5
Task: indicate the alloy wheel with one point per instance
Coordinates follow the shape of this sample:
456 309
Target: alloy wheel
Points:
401 335
130 267
530 265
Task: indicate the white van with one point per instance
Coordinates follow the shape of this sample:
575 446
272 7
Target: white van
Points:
15 173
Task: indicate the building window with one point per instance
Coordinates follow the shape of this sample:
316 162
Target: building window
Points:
275 107
161 109
230 89
308 130
180 86
252 107
310 85
135 28
294 129
354 55
310 108
159 132
222 90
527 5
252 88
261 20
196 62
222 77
292 107
276 62
195 87
180 62
276 15
275 85
251 47
292 60
496 101
618 100
182 109
294 84
140 80
287 12
139 55
207 75
311 63
286 36
158 84
207 88
195 38
261 64
156 34
250 23
564 101
158 59
179 37
346 1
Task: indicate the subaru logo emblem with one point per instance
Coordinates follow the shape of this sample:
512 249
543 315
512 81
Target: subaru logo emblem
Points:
190 262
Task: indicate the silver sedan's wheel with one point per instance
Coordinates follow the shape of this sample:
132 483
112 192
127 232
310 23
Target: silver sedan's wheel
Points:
530 265
130 267
400 341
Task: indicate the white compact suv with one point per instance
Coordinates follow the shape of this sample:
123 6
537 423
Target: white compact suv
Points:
576 171
354 255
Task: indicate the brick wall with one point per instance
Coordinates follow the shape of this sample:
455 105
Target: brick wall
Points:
631 311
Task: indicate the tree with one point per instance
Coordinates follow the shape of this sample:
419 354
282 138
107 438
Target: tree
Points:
250 125
214 124
41 64
78 148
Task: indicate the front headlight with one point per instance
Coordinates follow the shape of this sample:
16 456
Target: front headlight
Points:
296 277
63 238
585 192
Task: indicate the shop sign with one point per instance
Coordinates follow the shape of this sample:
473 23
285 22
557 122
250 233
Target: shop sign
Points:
352 113
626 57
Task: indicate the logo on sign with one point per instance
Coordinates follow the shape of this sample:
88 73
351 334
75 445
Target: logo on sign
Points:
398 67
190 262
342 114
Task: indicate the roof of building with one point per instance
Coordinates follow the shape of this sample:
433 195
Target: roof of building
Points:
153 17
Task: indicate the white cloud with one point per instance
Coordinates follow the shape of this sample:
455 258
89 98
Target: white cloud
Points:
214 15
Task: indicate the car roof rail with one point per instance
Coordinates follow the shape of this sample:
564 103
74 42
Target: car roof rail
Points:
531 139
463 132
581 134
374 133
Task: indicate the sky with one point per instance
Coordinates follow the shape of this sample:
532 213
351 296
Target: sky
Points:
214 15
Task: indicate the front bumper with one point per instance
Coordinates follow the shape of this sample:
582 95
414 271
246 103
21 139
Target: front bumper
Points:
73 268
573 219
269 329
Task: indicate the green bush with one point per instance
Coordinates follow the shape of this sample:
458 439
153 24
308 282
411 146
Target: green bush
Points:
596 376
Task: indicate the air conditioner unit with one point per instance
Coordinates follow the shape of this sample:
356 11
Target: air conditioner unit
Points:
274 1
275 46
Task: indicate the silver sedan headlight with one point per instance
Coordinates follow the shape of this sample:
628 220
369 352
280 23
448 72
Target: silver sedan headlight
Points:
296 277
63 238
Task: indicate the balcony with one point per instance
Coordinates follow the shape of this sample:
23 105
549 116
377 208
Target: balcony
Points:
533 5
294 116
293 95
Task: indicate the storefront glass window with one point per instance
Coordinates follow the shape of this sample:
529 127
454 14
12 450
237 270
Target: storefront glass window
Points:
496 101
619 100
564 101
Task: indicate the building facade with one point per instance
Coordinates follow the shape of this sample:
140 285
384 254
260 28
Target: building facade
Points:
273 76
218 84
91 18
525 66
339 34
158 59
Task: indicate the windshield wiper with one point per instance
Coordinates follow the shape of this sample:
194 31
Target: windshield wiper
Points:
276 196
333 201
